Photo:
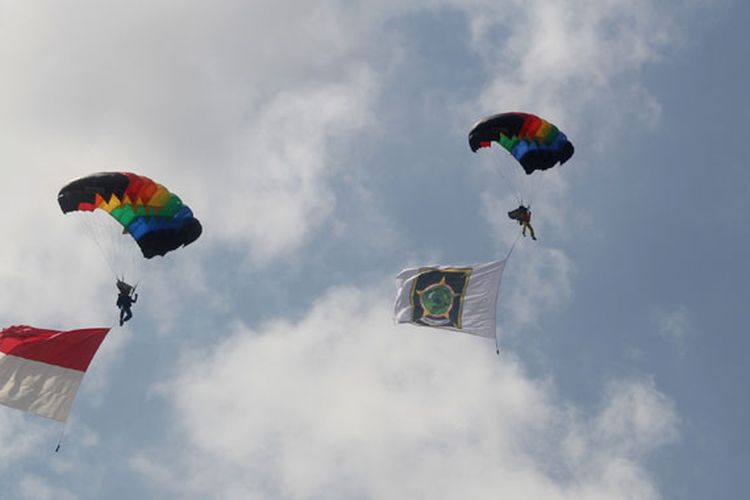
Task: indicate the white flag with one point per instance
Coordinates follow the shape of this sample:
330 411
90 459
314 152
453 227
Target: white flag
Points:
460 298
41 370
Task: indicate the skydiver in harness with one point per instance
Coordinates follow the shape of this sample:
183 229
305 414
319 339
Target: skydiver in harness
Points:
523 215
126 298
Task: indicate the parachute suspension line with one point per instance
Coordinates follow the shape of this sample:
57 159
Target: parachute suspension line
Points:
516 180
95 233
512 247
125 252
61 438
517 194
120 252
533 183
520 176
517 187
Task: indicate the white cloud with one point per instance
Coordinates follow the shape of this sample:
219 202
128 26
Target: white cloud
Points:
250 111
562 56
19 436
539 277
673 325
577 63
240 107
345 404
277 192
636 409
34 487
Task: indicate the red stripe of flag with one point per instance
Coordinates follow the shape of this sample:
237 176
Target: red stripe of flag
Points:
72 349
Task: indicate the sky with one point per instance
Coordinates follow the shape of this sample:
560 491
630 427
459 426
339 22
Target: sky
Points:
323 146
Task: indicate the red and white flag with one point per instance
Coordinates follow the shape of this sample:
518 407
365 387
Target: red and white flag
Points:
41 370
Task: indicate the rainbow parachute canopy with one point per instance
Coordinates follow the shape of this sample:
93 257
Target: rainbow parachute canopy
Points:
156 219
533 141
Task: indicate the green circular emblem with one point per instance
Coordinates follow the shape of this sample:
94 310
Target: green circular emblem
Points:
437 299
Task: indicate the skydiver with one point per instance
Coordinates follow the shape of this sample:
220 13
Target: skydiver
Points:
125 299
523 215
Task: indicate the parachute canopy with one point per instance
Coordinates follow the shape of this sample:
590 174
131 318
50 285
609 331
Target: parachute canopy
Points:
533 141
156 219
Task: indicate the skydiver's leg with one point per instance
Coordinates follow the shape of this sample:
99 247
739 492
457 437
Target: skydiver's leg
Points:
128 314
531 231
122 313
